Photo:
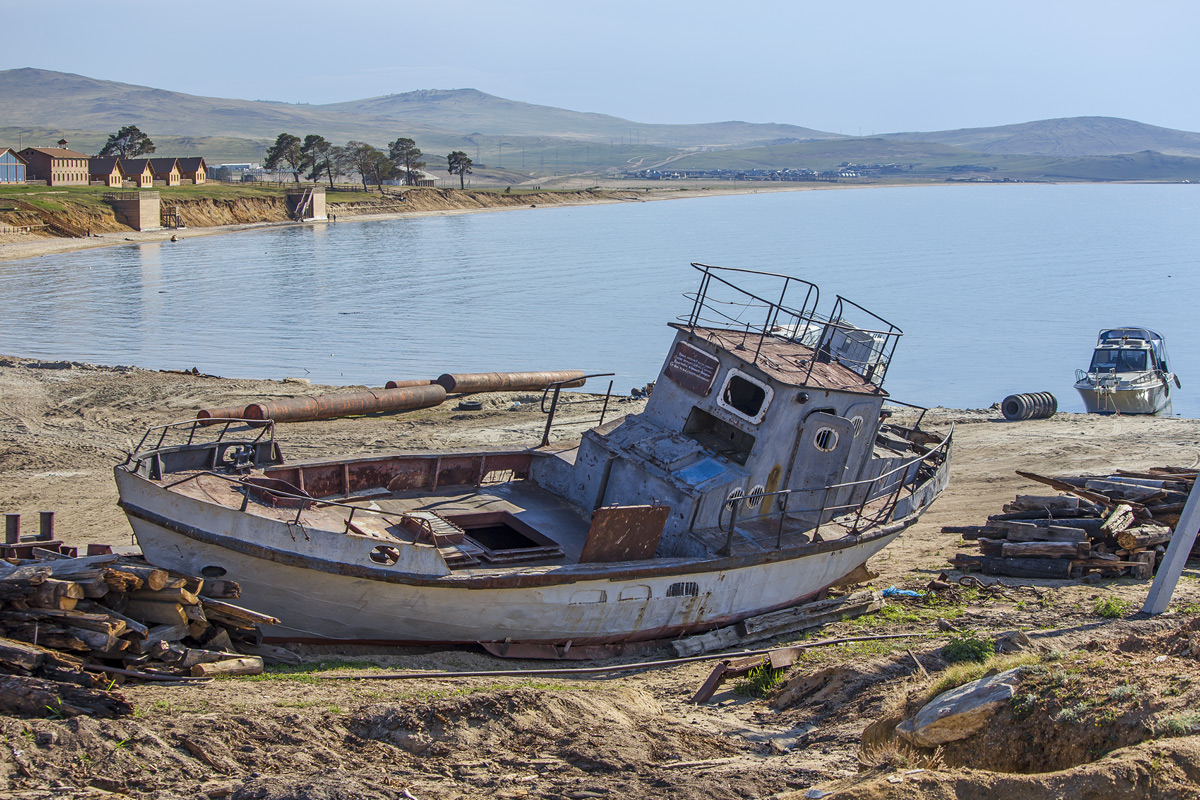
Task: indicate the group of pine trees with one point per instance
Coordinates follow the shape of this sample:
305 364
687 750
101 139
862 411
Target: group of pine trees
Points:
317 159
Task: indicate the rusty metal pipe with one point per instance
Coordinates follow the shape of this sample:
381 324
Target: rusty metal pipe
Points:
406 384
228 412
329 406
480 382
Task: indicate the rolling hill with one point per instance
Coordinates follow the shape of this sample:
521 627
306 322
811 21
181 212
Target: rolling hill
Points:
527 141
1065 138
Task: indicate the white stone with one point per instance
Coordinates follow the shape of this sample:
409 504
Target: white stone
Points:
959 713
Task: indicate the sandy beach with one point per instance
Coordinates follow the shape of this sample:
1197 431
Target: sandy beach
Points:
14 247
64 425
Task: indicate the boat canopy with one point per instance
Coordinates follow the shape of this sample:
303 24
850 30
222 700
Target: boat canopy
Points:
1118 349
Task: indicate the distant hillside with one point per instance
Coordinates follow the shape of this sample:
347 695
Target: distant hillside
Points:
39 98
473 111
1074 136
926 160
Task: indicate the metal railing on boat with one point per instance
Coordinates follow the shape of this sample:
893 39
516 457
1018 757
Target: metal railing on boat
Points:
860 518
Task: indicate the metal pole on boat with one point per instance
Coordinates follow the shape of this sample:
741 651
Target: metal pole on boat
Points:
1178 551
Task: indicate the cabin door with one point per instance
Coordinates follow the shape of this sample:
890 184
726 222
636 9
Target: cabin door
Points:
822 448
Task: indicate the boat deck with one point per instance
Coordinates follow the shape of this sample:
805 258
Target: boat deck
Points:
499 525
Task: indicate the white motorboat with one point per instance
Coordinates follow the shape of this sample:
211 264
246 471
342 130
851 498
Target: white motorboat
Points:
1129 374
761 472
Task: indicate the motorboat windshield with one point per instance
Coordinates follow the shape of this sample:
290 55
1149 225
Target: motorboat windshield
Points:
1109 359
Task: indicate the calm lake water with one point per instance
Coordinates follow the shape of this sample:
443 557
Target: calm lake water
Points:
999 289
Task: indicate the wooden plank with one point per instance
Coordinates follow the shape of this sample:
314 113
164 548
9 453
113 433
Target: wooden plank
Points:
1046 549
1053 568
158 613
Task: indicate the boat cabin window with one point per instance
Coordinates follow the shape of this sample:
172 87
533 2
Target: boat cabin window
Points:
1118 360
745 396
719 436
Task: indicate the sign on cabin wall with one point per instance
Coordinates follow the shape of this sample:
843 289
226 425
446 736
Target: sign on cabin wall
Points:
692 369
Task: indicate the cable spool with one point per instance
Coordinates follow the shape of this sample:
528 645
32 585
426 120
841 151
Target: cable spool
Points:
1032 405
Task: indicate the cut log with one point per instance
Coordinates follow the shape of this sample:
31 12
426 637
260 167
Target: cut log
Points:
1120 519
177 595
41 698
121 581
167 633
1047 549
152 577
246 665
102 623
158 613
1142 537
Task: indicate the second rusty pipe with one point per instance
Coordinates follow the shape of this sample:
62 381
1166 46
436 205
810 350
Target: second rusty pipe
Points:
479 382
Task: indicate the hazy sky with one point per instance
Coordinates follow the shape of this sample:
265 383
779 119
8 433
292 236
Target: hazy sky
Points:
851 67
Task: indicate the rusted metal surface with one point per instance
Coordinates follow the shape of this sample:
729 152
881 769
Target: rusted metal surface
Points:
406 384
227 412
692 368
624 533
402 473
479 382
330 406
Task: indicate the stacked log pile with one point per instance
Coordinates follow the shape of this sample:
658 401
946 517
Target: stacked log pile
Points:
1113 525
69 625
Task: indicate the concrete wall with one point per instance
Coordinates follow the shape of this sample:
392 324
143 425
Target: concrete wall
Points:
315 210
143 213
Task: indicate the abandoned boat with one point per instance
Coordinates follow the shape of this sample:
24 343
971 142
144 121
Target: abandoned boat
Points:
1129 374
761 472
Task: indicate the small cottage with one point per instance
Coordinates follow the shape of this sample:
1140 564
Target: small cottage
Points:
193 169
106 171
138 171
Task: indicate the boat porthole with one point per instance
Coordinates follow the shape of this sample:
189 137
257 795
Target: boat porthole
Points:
826 439
213 572
383 554
756 495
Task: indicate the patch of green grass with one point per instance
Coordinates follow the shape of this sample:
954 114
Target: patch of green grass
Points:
1076 713
760 681
1111 607
969 646
308 671
964 672
1180 724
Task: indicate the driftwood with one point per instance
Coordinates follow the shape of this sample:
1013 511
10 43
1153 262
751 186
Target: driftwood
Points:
24 696
1143 537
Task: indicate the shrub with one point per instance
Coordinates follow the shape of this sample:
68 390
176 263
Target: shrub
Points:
969 646
1111 607
760 681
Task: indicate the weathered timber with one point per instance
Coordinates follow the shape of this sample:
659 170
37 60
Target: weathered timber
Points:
1024 502
35 697
778 623
227 613
133 628
1049 533
150 611
152 577
1046 549
1057 568
1063 486
1141 537
176 595
1120 519
120 581
246 665
102 623
1090 524
221 589
991 547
